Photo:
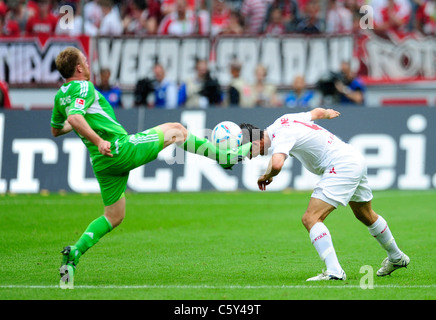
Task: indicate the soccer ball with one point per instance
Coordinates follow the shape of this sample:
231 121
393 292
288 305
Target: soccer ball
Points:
227 135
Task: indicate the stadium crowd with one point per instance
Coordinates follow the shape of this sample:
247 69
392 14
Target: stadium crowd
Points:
44 18
195 17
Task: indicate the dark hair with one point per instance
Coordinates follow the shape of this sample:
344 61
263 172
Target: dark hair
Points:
250 133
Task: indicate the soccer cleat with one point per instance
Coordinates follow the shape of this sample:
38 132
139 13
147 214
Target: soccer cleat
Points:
236 155
70 259
388 266
67 277
328 276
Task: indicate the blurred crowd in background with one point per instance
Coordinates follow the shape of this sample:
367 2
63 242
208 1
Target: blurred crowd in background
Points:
44 18
214 17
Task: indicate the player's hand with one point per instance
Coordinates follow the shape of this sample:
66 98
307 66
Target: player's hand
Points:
331 114
104 148
263 181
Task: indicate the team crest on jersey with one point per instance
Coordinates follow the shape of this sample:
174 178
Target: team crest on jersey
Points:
80 103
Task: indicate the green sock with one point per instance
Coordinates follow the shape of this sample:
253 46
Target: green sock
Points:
204 147
96 229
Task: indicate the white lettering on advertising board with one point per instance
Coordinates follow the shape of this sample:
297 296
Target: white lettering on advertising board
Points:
392 162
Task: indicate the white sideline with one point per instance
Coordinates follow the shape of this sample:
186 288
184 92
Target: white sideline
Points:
247 287
17 200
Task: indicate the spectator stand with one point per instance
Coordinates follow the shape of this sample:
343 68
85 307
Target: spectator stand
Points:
385 57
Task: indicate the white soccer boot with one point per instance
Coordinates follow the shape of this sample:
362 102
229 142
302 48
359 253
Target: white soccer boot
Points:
388 266
328 276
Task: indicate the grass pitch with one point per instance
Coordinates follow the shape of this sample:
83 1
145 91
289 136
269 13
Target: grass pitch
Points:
211 246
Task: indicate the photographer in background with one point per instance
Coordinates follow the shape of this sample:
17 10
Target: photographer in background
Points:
142 90
351 89
202 90
165 92
343 88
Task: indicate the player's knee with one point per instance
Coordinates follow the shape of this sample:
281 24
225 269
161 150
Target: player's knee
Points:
367 217
307 220
116 219
116 213
364 212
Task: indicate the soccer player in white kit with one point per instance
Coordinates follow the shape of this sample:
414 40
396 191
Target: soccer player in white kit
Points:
343 181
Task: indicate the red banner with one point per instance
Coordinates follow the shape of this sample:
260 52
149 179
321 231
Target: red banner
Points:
389 57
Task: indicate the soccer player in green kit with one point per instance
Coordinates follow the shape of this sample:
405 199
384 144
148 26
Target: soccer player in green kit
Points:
114 153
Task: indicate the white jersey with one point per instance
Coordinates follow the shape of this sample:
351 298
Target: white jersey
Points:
295 134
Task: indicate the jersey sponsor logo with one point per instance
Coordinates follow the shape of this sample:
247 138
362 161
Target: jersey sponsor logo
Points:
80 103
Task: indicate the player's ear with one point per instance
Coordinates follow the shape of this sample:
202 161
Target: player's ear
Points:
255 149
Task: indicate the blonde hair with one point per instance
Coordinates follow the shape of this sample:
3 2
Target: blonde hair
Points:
67 60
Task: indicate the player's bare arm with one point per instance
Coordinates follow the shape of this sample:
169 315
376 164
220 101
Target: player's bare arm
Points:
79 124
59 132
274 167
321 113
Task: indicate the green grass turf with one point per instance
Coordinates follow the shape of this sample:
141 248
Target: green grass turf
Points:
211 245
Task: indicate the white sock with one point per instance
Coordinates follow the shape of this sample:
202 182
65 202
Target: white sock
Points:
381 232
322 241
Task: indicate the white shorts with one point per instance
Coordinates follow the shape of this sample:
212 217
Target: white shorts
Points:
343 181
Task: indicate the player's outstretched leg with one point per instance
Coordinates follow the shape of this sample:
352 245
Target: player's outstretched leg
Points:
379 229
178 134
226 158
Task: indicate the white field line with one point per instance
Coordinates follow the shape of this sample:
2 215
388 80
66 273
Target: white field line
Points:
229 287
166 202
17 200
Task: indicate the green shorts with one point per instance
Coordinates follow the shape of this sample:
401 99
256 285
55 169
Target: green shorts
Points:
129 152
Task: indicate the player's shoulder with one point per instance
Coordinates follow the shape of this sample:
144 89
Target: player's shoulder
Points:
287 120
86 87
297 116
76 85
80 88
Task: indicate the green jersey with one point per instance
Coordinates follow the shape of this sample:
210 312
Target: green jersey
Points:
81 97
